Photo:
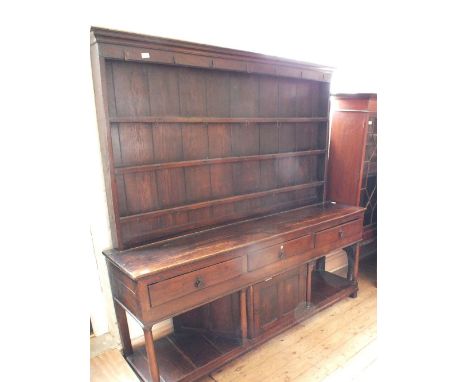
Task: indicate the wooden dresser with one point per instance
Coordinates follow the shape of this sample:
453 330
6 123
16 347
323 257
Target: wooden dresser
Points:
215 163
352 172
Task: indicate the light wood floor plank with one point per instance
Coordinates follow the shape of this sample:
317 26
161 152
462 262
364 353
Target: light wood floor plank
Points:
322 348
355 364
111 366
291 345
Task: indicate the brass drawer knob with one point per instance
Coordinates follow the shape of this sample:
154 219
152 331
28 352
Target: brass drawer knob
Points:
199 283
281 253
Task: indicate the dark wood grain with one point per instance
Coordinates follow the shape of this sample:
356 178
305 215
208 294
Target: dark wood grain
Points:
141 192
173 364
152 258
125 340
151 354
171 187
128 46
131 90
215 160
346 157
338 235
163 90
243 95
286 97
353 155
217 94
191 282
325 285
215 164
220 318
279 252
205 120
191 86
276 300
214 202
195 347
166 117
167 143
243 315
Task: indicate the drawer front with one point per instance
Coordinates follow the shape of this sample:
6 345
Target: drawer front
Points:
339 236
173 288
279 252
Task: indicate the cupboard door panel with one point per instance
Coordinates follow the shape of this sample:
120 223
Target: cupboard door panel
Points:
268 304
278 300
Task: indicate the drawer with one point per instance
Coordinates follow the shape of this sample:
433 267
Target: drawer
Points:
173 288
279 252
339 236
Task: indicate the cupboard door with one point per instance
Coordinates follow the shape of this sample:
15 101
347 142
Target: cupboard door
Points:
278 300
346 154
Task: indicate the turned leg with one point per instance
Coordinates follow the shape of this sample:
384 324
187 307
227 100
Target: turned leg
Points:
151 354
356 261
243 314
250 313
350 251
122 323
320 264
353 295
310 270
353 265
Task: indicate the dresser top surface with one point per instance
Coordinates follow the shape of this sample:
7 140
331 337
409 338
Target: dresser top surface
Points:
181 250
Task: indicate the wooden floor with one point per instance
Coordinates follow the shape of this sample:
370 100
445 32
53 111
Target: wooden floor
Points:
337 344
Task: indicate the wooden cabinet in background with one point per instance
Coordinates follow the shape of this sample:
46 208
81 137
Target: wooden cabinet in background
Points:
215 163
352 166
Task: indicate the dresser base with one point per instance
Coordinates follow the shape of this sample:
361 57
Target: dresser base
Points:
187 355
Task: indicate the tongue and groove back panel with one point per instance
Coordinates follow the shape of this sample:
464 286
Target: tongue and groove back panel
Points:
196 147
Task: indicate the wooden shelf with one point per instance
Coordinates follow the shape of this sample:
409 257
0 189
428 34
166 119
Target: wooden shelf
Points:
210 161
155 119
182 354
327 288
236 198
